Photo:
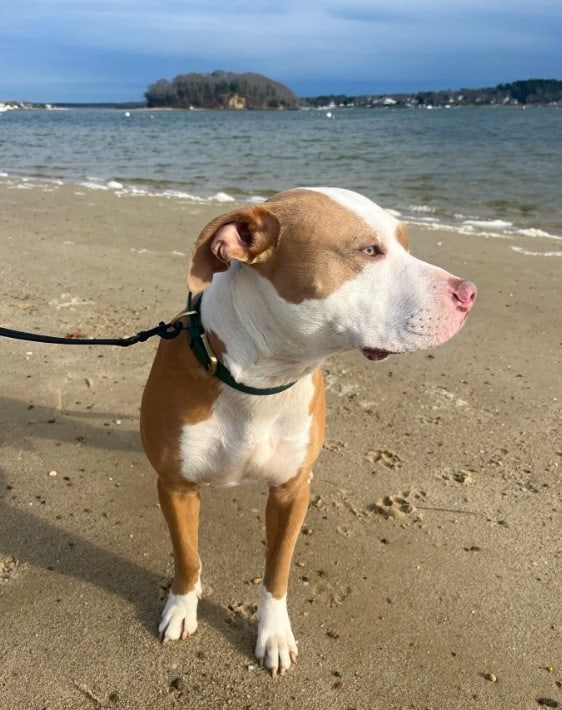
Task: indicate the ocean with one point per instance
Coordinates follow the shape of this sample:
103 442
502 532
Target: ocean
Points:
482 170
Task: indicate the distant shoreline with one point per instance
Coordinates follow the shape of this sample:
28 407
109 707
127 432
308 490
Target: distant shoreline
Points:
518 94
241 94
32 106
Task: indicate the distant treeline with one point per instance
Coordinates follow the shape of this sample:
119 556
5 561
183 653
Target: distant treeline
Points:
527 92
220 90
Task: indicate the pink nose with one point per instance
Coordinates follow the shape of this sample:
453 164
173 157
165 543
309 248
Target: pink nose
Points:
465 294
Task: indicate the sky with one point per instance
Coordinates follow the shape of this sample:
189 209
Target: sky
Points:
111 50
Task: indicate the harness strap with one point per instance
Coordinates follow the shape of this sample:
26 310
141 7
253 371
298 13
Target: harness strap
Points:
202 350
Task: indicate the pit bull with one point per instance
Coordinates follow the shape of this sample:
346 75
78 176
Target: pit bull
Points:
277 288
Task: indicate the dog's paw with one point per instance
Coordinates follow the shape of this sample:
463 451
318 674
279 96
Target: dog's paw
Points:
276 647
179 618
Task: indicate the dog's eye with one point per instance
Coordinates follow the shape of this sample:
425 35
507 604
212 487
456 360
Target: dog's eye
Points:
372 250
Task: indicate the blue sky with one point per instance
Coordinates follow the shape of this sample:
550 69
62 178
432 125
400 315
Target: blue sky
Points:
111 50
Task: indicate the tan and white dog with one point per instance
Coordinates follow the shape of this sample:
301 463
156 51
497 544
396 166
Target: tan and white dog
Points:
309 273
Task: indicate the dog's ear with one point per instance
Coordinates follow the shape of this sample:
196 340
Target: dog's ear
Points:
249 235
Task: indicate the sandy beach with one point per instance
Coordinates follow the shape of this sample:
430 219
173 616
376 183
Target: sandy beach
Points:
427 576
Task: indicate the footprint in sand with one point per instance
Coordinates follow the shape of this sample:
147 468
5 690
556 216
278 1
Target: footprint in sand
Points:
395 506
328 593
8 567
243 610
385 457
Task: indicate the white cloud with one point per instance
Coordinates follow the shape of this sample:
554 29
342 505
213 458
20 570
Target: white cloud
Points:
316 40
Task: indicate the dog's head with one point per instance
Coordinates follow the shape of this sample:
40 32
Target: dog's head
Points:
341 260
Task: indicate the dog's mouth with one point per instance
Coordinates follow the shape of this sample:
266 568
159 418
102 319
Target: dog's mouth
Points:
376 354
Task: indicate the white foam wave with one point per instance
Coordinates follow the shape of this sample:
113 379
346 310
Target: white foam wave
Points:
179 195
93 185
430 223
469 229
134 192
539 233
425 220
424 209
525 252
488 224
222 197
421 215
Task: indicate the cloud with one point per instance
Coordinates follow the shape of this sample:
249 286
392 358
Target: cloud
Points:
74 44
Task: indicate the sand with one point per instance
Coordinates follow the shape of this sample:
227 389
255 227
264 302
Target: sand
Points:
428 573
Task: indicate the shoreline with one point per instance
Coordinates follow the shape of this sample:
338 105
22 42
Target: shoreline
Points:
451 600
134 106
482 228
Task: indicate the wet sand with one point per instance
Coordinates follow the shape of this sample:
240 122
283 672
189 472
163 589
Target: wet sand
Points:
427 576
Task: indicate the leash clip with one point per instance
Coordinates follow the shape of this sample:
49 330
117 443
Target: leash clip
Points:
213 361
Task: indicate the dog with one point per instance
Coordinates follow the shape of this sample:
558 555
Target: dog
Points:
277 288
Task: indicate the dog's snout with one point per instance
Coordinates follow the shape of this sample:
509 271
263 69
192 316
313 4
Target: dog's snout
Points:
464 294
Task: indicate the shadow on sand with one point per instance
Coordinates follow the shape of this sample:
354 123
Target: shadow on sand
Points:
38 542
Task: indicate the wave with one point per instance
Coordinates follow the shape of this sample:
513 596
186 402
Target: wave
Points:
134 191
526 252
496 228
424 216
488 224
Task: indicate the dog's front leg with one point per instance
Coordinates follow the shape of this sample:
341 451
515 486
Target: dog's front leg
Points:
180 504
286 508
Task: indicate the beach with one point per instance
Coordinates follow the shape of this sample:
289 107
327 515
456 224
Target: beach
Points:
427 575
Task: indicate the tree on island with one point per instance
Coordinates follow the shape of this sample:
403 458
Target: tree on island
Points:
533 91
220 89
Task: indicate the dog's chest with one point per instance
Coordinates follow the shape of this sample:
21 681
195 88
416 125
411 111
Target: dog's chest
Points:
250 437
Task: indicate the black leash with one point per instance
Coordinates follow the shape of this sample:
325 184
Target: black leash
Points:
164 330
198 343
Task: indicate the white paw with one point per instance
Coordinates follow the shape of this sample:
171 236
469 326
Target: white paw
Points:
179 618
276 647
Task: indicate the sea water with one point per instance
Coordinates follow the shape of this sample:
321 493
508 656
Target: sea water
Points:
484 170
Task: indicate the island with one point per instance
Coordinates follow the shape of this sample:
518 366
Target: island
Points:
220 90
